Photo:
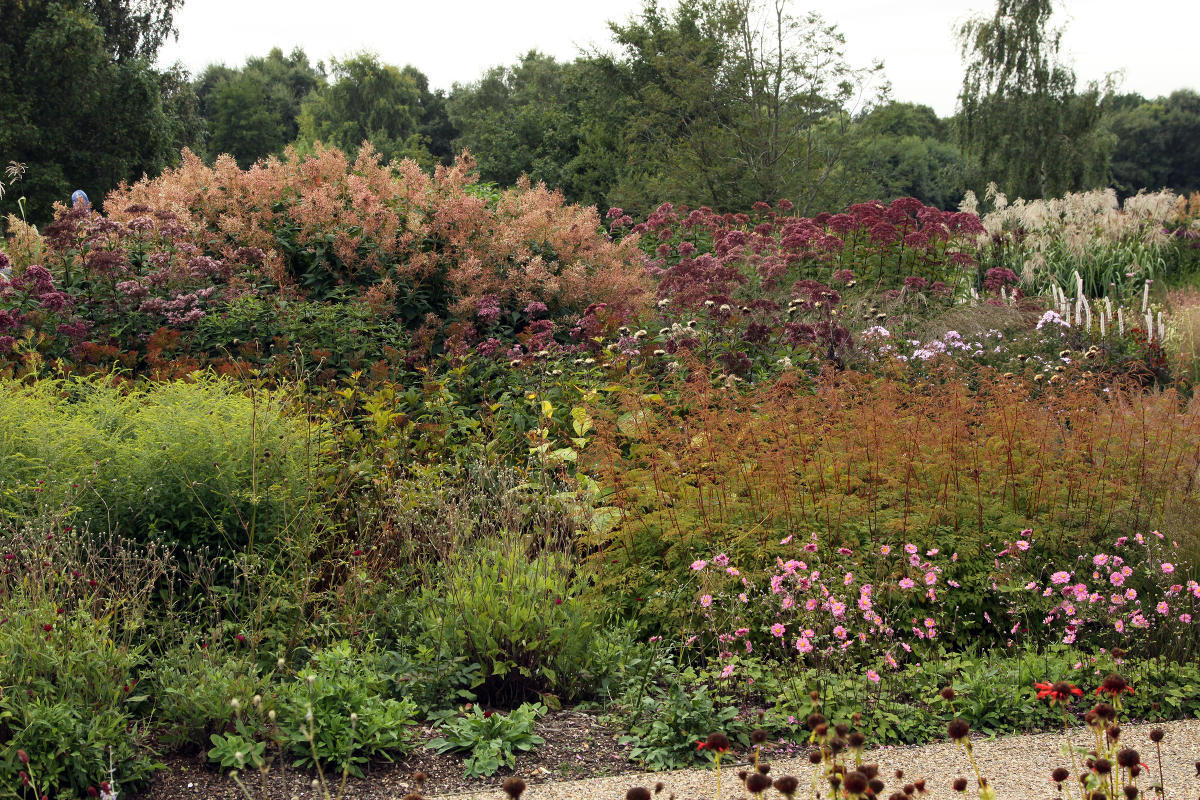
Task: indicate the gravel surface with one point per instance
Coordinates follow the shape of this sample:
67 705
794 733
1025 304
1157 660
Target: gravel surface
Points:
1017 766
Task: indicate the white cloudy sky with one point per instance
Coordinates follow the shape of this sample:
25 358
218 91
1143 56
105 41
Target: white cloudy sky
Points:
1152 42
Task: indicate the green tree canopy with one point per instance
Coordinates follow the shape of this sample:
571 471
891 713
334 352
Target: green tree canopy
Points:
80 104
739 101
1021 117
368 101
1158 143
253 112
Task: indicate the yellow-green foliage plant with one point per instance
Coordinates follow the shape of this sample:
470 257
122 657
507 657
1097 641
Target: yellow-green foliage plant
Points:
197 464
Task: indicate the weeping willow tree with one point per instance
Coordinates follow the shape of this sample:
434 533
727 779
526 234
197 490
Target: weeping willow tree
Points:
1020 116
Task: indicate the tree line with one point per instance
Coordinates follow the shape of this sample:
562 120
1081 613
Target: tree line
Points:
706 102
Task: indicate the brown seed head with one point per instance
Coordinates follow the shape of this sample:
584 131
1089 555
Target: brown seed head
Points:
1102 766
1114 732
717 742
1131 792
947 693
835 780
920 784
909 790
814 756
638 793
513 787
815 721
814 696
870 770
856 783
958 729
1105 711
1060 774
764 768
787 785
842 729
875 785
1135 770
419 779
1128 757
899 774
758 736
856 739
836 745
960 784
658 787
742 775
1157 735
821 731
757 783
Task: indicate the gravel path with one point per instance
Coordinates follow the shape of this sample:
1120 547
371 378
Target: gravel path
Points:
1017 766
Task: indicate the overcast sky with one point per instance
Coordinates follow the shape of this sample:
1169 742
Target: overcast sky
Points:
1151 41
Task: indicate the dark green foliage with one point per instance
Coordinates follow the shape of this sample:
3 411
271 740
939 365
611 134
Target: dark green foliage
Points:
252 112
367 100
1158 143
80 103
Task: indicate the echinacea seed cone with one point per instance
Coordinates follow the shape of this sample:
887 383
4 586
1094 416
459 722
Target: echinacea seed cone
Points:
757 783
787 785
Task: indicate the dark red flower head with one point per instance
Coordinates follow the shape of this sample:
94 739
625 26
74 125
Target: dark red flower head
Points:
1058 692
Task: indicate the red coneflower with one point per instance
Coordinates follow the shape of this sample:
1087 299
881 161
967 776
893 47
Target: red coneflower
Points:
1058 692
1114 685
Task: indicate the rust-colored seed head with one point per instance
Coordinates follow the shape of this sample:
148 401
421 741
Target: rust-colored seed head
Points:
1102 766
1131 792
1135 770
960 784
412 796
419 779
717 742
842 729
958 729
1060 774
658 787
758 736
787 785
837 745
899 774
757 783
1157 735
947 693
638 793
814 696
856 782
513 787
875 785
1105 711
821 731
1114 732
814 756
764 768
856 739
742 775
815 720
1128 758
870 770
920 784
835 780
896 796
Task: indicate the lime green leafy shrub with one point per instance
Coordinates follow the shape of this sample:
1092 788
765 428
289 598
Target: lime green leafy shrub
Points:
191 463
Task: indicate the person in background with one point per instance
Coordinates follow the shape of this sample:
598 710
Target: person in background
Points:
79 196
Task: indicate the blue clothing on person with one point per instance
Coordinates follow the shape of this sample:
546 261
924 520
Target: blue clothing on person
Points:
79 196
